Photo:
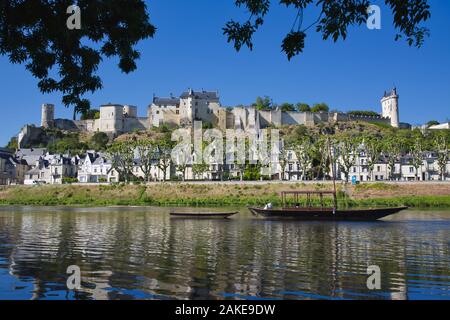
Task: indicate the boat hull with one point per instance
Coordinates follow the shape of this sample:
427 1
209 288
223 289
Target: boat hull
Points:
326 214
187 215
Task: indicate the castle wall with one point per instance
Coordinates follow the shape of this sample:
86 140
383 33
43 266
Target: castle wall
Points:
130 111
67 125
370 119
132 124
293 118
265 118
27 135
88 125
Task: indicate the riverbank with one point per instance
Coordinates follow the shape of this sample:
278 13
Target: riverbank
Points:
417 195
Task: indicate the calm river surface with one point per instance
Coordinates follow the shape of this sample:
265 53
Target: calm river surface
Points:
126 253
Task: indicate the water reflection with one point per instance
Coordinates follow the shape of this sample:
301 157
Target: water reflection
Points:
143 254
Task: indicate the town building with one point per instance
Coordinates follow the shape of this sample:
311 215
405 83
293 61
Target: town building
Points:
96 168
52 169
403 169
12 169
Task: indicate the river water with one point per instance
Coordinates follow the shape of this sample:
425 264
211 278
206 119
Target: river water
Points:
137 253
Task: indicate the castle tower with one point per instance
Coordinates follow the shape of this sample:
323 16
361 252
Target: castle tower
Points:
389 104
48 115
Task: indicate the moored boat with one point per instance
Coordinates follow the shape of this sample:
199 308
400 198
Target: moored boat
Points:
321 213
203 215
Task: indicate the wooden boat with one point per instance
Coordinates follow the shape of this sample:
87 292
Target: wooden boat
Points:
322 213
309 212
202 215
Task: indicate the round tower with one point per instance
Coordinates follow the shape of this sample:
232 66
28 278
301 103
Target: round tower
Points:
389 104
48 115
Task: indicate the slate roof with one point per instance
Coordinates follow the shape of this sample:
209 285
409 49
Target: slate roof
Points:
204 95
31 156
166 101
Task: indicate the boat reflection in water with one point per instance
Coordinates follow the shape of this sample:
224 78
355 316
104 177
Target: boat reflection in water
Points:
144 254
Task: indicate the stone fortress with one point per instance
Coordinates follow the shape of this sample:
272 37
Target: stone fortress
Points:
205 106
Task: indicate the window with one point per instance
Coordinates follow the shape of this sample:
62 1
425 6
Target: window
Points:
354 169
178 112
378 168
290 167
411 170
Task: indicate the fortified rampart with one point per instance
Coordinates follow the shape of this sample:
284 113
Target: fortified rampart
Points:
116 119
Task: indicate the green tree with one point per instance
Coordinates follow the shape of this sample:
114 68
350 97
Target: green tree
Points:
304 153
34 33
284 159
348 152
441 147
91 114
12 144
321 152
334 18
363 113
163 155
146 150
416 153
432 123
287 107
99 141
372 147
303 107
263 104
320 107
393 149
198 169
67 144
121 155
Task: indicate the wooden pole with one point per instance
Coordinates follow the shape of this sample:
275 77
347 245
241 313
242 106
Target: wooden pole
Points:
333 174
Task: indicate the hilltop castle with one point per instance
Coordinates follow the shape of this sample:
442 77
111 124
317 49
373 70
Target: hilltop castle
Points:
190 106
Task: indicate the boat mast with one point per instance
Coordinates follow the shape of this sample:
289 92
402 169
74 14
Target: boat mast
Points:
333 175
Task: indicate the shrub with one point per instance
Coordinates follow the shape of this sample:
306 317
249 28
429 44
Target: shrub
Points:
68 180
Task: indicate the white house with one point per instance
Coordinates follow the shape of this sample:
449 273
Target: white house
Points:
96 168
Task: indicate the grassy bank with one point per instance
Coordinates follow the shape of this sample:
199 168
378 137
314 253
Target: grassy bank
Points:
184 194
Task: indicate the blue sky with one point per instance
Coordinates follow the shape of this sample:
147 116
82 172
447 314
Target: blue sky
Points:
189 51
